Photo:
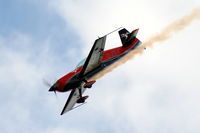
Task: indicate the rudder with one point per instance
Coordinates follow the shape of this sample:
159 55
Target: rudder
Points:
127 37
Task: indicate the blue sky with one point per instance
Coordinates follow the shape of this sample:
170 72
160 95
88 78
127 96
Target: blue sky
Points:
158 91
37 21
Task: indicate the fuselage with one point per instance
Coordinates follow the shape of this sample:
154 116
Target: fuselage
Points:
71 80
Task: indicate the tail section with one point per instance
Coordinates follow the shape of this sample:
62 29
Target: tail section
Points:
127 37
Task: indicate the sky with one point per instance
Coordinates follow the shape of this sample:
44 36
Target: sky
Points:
157 91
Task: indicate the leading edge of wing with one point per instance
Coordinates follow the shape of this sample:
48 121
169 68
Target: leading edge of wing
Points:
85 66
68 100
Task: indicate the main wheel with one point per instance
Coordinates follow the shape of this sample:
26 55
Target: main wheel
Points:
81 100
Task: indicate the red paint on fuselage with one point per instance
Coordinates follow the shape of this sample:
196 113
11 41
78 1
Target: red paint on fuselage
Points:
62 81
108 54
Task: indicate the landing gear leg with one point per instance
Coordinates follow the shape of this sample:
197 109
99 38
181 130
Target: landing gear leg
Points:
80 93
81 99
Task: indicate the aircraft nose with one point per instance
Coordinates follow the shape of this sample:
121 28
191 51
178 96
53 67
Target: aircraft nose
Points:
53 88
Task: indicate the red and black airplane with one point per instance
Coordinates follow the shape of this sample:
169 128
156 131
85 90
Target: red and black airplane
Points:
79 79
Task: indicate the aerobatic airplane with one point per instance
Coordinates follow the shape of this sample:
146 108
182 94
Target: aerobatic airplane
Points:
78 80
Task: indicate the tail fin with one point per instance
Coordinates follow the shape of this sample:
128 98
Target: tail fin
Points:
127 37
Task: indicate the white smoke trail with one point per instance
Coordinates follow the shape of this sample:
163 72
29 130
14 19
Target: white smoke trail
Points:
164 35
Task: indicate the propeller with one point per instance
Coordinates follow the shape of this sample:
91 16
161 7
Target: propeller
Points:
55 94
48 84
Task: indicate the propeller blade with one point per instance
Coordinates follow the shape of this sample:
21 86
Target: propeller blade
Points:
55 93
48 84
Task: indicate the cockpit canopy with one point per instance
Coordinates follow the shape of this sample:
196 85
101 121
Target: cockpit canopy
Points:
81 63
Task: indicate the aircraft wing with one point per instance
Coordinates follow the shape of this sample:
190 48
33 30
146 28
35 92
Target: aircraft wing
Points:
72 99
94 58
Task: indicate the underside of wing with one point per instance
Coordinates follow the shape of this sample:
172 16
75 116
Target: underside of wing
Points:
72 100
94 58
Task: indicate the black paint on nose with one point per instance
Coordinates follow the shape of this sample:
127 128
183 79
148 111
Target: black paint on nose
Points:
52 88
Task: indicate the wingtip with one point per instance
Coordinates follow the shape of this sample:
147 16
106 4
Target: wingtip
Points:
63 111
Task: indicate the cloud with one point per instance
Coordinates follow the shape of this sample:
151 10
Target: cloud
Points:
95 18
22 68
157 91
